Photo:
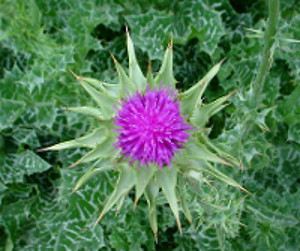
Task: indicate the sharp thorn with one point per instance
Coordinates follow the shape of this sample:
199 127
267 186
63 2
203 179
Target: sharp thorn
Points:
43 149
97 221
149 66
170 46
113 57
74 190
77 77
74 164
179 225
226 163
231 93
203 83
135 204
155 237
244 189
221 62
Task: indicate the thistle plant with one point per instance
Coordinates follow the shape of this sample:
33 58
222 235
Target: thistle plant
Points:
151 134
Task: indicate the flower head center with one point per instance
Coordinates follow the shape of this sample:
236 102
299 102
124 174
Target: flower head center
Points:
151 127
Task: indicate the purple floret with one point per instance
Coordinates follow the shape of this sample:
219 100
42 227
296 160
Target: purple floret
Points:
150 127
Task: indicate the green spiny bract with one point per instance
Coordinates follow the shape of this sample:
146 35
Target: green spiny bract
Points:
196 157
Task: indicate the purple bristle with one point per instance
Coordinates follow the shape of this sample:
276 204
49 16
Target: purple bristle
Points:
150 127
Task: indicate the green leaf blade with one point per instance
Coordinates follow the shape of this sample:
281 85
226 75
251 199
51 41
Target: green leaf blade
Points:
165 75
92 111
143 177
91 140
167 180
125 183
135 72
193 96
102 150
105 102
202 113
127 86
151 193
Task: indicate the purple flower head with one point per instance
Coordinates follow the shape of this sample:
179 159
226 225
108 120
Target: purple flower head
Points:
151 128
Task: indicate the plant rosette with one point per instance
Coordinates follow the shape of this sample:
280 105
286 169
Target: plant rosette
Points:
153 136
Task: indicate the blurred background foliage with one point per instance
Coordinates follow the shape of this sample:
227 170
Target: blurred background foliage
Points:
41 40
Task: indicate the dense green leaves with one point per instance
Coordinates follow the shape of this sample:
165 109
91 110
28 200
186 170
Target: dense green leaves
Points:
149 31
15 166
40 41
189 19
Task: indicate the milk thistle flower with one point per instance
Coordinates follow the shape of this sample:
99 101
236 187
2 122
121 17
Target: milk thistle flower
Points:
151 128
150 124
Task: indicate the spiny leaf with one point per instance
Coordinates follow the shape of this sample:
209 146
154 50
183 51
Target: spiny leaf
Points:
111 90
25 136
261 211
294 133
105 101
125 183
15 166
191 19
195 175
203 112
32 163
92 111
103 150
143 177
292 99
167 179
120 204
221 176
62 221
193 96
104 166
125 83
151 193
221 153
91 140
182 199
261 118
135 73
13 110
195 19
149 30
165 75
150 79
200 151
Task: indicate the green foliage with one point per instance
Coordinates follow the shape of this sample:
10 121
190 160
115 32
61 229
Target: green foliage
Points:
188 20
40 41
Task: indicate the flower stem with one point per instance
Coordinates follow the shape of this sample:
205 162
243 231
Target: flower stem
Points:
269 37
